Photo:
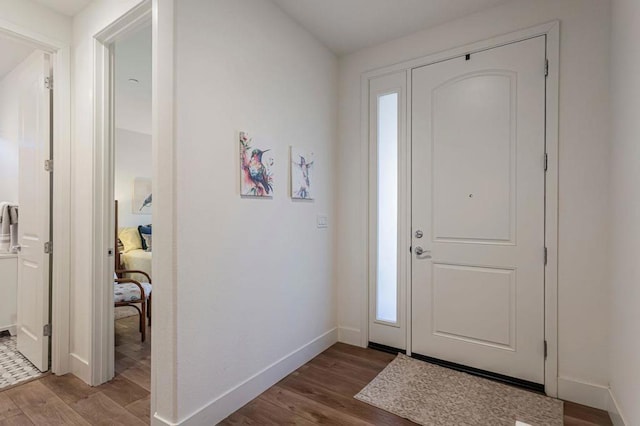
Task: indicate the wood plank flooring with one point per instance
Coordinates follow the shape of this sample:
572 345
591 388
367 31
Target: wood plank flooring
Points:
66 400
319 392
322 390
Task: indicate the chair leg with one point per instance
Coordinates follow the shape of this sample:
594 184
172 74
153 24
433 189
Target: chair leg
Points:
143 317
149 310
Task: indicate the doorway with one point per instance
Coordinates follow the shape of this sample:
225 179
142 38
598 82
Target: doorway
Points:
26 233
133 224
466 248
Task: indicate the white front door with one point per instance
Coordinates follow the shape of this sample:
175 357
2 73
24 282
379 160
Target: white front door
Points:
478 194
34 214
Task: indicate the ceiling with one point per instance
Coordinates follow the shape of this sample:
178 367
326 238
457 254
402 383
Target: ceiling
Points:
13 53
65 7
345 26
133 100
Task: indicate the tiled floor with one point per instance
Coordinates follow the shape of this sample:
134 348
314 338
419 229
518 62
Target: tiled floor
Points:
14 367
66 400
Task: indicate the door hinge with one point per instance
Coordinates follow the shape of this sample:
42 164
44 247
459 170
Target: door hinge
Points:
48 247
48 165
546 162
546 68
48 83
545 349
545 256
46 330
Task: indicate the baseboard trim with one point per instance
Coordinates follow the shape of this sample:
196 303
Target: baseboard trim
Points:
10 328
614 411
349 335
238 396
592 395
80 367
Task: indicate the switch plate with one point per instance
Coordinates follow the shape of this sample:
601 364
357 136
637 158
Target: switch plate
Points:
322 221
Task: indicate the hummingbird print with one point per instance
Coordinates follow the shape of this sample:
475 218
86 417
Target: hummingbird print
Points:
257 178
301 176
258 171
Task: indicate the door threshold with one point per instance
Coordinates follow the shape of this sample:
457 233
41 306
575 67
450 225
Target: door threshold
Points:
496 377
385 348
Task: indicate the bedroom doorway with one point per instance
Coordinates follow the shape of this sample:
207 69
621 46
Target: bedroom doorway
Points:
133 202
121 310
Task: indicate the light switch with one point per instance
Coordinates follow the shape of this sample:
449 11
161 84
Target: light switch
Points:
322 221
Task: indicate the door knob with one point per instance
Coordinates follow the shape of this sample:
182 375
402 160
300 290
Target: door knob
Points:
420 251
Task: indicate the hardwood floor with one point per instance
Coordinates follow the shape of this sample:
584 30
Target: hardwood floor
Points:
320 391
66 400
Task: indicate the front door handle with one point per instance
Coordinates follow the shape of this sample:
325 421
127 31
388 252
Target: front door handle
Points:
420 251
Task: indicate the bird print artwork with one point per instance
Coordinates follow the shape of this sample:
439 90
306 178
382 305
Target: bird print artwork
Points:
301 167
142 201
146 202
256 167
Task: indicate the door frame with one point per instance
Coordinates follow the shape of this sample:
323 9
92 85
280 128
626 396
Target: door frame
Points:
161 13
102 315
551 31
60 204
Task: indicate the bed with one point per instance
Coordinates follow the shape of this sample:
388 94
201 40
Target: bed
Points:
131 252
139 260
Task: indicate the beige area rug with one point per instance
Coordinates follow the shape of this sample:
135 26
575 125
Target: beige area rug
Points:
432 395
125 311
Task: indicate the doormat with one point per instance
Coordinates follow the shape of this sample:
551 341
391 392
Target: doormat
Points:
14 367
432 395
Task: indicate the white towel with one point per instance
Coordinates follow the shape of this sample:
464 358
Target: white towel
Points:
8 227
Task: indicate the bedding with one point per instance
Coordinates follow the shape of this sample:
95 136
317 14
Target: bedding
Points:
130 238
145 236
137 259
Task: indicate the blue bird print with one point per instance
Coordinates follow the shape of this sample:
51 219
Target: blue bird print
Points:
258 171
146 202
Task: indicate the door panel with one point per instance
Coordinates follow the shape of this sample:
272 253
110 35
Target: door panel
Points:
478 145
34 201
483 302
389 224
484 103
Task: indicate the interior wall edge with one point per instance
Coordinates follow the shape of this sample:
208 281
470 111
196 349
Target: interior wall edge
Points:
349 335
617 418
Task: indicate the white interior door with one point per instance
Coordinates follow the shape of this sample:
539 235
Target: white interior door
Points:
478 141
34 213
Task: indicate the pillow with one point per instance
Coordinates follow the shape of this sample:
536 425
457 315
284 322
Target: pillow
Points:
144 230
146 242
131 240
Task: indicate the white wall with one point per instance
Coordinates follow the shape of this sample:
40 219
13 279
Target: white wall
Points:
9 152
625 209
133 101
255 277
86 24
133 160
36 20
583 216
